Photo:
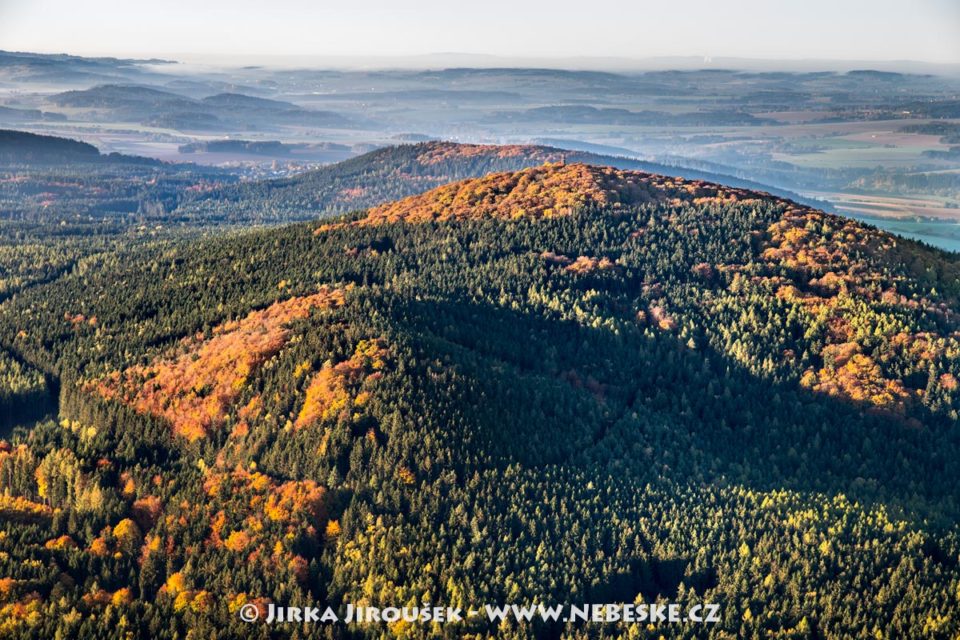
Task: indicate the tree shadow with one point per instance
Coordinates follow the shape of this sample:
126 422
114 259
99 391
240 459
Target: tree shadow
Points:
707 418
653 579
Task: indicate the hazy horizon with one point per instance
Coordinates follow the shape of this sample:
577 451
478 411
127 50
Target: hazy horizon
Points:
187 62
817 31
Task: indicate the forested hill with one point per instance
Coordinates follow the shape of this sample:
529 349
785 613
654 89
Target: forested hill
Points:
548 191
562 384
390 173
24 148
20 146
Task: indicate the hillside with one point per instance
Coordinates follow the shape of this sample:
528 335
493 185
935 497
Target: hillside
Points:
558 384
392 173
21 147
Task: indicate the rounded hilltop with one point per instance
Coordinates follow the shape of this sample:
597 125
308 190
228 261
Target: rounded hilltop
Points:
553 189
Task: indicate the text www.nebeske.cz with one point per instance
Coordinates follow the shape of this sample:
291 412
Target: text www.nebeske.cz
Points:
599 613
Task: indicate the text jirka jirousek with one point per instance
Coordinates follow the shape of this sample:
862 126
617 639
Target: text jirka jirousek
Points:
597 613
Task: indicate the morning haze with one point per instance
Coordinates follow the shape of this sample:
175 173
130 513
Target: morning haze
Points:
883 30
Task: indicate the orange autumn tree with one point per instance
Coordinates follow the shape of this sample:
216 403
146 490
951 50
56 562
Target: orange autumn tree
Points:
336 388
829 259
853 375
259 500
194 386
542 192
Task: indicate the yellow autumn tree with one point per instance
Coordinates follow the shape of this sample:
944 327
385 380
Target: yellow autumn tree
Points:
128 535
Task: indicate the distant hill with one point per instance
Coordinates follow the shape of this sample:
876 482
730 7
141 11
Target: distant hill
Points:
268 148
396 172
24 67
239 100
158 107
237 106
185 121
24 147
15 115
258 147
121 97
585 114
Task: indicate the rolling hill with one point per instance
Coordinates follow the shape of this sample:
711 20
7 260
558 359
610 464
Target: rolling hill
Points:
23 147
24 67
391 173
160 107
558 384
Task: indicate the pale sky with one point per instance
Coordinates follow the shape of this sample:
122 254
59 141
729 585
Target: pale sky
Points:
922 30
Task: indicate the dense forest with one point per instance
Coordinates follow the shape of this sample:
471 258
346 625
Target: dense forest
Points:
562 384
